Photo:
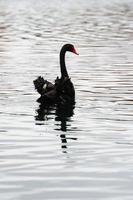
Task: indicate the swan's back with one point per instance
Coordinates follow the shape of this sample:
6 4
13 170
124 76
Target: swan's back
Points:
65 89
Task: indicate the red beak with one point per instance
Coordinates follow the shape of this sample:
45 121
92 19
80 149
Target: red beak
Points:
74 51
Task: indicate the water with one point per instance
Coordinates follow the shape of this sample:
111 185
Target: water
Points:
86 152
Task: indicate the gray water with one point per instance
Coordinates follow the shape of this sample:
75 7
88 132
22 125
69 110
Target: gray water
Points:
86 153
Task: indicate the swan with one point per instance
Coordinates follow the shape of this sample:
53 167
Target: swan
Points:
62 91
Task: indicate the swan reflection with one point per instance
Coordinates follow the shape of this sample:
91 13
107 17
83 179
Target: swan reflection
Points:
62 113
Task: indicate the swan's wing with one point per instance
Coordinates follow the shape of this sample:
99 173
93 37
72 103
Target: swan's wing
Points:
49 86
42 86
48 97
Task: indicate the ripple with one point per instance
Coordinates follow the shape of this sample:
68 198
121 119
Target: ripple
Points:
74 153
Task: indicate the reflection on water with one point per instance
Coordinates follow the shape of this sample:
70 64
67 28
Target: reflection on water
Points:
63 114
53 153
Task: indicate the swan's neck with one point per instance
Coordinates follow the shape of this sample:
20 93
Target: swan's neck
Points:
62 64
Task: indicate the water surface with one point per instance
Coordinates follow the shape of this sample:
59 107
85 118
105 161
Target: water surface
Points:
84 152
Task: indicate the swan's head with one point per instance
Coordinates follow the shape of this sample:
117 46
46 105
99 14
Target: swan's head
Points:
70 47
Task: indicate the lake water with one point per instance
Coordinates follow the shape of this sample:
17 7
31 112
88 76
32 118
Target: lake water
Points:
81 153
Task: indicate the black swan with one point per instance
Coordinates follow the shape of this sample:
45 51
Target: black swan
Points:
62 91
